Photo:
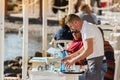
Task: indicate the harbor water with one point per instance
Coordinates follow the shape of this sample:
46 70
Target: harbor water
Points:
13 45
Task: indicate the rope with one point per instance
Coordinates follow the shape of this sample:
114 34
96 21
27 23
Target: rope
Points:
63 7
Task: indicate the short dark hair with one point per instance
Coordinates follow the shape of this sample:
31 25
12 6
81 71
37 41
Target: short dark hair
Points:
71 18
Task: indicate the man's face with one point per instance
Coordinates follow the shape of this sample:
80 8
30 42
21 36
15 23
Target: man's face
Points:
74 25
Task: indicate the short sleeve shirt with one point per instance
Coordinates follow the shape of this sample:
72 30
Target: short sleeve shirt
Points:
91 31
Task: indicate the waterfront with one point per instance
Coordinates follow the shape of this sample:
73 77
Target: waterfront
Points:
13 45
13 40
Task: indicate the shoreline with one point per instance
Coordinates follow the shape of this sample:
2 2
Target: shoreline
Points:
33 29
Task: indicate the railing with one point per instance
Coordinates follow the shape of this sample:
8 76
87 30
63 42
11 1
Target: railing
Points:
11 78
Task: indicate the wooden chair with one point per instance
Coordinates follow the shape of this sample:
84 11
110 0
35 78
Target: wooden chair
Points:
11 78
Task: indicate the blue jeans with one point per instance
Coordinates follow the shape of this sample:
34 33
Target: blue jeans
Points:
82 77
104 69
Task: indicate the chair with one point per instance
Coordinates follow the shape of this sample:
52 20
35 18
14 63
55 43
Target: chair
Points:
64 42
116 38
11 78
117 68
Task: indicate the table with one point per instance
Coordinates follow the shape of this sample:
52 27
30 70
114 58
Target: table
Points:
43 74
48 75
37 61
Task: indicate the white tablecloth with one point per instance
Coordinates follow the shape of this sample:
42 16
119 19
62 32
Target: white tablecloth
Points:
46 75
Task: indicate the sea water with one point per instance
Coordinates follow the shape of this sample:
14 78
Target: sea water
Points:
13 45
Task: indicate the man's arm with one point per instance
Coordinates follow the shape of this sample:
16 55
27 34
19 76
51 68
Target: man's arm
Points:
70 56
77 52
88 49
82 53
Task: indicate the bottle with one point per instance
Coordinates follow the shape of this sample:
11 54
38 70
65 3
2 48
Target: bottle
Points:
63 55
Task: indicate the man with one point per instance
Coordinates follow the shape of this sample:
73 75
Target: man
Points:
92 49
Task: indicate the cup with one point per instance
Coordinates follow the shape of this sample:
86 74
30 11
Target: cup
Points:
77 68
71 68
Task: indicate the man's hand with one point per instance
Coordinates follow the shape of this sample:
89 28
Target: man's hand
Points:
66 58
69 63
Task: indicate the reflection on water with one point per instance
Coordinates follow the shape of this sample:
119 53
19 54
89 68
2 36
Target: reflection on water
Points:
13 46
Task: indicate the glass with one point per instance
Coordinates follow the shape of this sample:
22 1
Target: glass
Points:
71 69
56 54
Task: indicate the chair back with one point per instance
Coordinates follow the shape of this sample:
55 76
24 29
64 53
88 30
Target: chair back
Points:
64 43
117 68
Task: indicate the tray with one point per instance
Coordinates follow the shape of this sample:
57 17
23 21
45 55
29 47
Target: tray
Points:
72 72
